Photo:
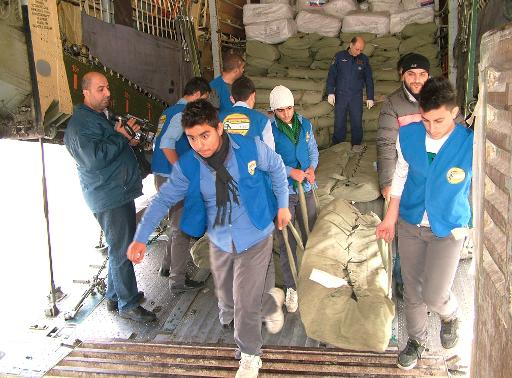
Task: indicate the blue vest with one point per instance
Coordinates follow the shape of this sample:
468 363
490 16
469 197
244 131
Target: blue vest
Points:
296 156
441 187
159 162
251 123
221 89
253 190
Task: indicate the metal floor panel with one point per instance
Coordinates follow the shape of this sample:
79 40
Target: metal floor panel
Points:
159 360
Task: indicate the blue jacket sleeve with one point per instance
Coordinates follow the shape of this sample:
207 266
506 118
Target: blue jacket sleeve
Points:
173 132
368 77
332 76
93 150
269 161
170 193
313 150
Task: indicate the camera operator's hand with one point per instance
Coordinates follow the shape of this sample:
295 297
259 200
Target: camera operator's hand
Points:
120 128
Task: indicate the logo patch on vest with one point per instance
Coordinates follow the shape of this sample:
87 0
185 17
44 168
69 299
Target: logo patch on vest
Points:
307 136
161 122
251 166
455 175
237 123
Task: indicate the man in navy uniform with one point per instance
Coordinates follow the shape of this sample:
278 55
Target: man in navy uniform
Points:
242 118
349 72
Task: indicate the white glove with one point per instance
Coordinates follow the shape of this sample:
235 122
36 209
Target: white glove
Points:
331 99
369 104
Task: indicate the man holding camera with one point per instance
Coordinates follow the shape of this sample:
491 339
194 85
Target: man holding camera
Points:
110 181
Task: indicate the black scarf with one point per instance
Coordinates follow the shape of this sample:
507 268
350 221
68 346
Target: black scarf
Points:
224 182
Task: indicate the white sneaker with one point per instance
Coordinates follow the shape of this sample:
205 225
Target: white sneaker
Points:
292 300
249 366
275 321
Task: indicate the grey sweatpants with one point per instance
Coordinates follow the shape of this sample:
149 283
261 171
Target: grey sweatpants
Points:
242 282
429 264
177 253
295 210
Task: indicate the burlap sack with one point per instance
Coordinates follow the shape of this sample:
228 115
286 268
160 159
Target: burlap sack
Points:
200 252
326 26
259 62
290 83
277 69
358 314
393 54
302 41
386 43
372 113
326 42
304 73
255 71
289 61
322 136
262 50
255 13
411 44
389 74
398 21
318 110
310 98
293 53
271 32
326 53
360 22
411 30
321 64
346 37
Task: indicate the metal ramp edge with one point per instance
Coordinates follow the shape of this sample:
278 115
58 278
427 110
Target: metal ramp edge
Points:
142 359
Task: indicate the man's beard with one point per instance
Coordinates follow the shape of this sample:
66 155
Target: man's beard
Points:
415 95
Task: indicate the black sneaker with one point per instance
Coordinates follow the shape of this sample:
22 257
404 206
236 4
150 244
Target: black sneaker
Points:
449 333
189 285
112 305
408 358
138 314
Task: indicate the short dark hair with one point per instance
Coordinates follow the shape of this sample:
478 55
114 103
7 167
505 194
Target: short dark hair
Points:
199 112
242 88
437 92
231 62
197 84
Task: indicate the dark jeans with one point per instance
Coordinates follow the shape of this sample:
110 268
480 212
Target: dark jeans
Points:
118 225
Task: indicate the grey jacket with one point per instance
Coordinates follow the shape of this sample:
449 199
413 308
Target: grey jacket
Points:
399 109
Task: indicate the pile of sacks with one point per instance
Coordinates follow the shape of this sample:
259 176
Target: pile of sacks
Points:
301 61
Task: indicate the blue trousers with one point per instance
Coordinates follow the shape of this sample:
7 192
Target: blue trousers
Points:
118 225
353 105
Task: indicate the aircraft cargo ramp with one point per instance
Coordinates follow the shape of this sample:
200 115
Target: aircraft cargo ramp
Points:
131 359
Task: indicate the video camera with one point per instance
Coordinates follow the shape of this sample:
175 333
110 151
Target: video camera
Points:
145 135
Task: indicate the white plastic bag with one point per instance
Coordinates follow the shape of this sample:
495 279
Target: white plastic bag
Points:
340 8
271 32
327 26
254 13
311 5
398 21
358 22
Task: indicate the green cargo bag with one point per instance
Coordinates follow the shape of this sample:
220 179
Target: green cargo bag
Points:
344 296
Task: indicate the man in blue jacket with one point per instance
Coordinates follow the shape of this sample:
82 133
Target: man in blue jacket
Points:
296 144
223 182
170 144
430 200
110 180
242 119
349 72
233 66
